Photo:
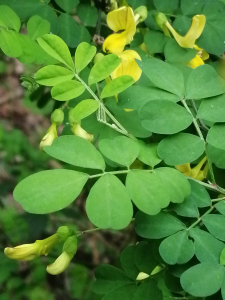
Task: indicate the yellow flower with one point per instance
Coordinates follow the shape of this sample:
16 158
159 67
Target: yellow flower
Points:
198 60
79 131
30 251
128 65
188 41
50 136
60 264
117 20
195 172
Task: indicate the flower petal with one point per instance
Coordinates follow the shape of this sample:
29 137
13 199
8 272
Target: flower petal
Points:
60 264
195 62
115 43
188 41
128 65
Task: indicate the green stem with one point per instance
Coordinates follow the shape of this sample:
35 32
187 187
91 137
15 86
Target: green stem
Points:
211 187
116 172
89 230
200 218
202 138
218 199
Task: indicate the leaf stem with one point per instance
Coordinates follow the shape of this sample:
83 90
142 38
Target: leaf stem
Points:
200 218
115 173
89 230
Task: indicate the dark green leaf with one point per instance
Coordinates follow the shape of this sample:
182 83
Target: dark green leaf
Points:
199 194
128 263
180 148
125 292
49 191
117 85
87 14
103 68
144 258
164 117
67 5
211 275
109 278
121 149
166 5
83 55
67 90
188 208
163 75
108 204
220 206
48 13
207 248
148 290
155 41
157 227
76 151
177 248
192 8
204 82
53 75
175 53
28 48
37 27
215 136
215 225
213 109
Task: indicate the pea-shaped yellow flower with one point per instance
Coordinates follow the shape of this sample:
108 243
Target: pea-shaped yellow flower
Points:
195 172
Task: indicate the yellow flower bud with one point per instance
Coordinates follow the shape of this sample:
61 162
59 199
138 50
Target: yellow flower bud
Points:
79 131
142 276
60 264
50 136
140 14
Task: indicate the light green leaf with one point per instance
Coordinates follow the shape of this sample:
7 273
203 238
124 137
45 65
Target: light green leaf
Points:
180 149
103 68
148 290
217 156
177 248
67 90
163 75
121 150
211 275
49 191
57 48
148 154
76 151
83 55
137 95
215 225
28 48
37 27
220 206
9 19
116 86
215 136
207 248
67 5
164 117
53 75
108 204
222 257
87 14
84 109
213 109
109 278
9 43
199 194
204 82
158 226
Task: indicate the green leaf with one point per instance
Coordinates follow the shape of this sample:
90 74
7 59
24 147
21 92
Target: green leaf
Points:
207 248
215 136
37 27
217 156
164 117
53 75
49 191
158 226
215 225
103 68
204 82
211 275
127 262
212 109
67 5
175 53
116 86
57 48
121 149
163 75
177 248
108 204
67 90
27 45
109 278
148 290
83 55
222 257
125 292
192 8
48 13
220 206
84 109
148 154
137 95
199 194
136 3
72 32
147 192
166 5
155 41
187 208
144 258
180 149
9 43
76 151
9 19
87 14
